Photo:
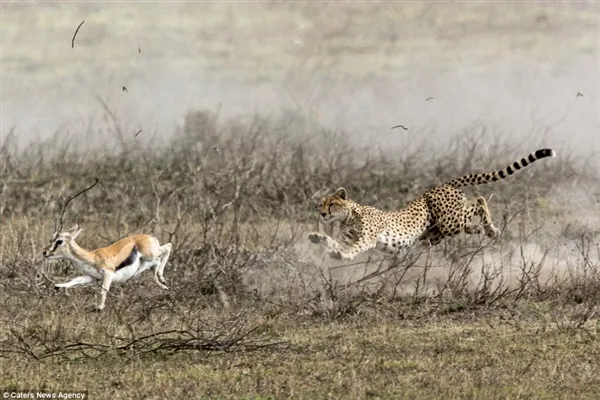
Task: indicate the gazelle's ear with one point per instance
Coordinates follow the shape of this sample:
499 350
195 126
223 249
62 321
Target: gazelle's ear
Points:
75 231
343 193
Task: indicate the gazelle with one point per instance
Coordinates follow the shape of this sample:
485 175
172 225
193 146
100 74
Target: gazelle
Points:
122 260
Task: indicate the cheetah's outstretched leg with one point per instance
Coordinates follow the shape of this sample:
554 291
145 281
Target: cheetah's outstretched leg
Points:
351 252
319 238
336 250
480 208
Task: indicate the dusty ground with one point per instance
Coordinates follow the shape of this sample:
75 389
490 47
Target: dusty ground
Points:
245 111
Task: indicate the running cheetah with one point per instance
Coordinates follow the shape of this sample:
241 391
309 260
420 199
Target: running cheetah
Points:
438 213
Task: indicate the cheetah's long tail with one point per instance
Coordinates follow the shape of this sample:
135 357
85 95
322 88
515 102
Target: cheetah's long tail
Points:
487 177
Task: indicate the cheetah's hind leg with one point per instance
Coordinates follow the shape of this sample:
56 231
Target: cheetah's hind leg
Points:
432 237
480 208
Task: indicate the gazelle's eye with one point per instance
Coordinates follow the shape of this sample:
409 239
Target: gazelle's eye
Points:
59 242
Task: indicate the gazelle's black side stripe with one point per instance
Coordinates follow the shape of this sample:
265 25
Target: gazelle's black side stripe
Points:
131 258
487 177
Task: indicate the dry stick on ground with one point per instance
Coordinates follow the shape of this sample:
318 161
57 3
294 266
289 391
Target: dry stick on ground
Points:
233 336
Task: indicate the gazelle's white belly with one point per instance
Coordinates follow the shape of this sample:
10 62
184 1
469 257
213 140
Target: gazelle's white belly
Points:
127 272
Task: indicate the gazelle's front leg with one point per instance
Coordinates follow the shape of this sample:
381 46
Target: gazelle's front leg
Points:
80 280
106 282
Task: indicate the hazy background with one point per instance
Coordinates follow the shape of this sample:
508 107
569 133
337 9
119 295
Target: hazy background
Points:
514 69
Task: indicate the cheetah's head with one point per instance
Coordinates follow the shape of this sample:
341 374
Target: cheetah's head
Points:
334 207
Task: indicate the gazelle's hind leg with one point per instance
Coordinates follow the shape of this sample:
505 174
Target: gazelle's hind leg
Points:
481 209
80 280
159 269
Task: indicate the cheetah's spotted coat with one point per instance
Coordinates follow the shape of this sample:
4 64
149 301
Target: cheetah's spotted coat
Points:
438 213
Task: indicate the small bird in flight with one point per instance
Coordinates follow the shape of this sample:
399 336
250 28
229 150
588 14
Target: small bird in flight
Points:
399 126
125 89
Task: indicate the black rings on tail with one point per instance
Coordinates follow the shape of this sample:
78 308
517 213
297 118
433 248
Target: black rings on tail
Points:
487 177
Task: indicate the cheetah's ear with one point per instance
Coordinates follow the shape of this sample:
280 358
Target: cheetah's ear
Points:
342 193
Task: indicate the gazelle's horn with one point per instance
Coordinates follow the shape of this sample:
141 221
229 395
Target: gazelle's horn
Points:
62 214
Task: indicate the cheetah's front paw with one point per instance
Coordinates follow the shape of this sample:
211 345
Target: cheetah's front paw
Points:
316 237
492 232
335 254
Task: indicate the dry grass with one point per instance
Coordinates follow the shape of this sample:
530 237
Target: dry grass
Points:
255 311
483 357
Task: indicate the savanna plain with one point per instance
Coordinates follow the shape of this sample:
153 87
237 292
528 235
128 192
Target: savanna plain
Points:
254 310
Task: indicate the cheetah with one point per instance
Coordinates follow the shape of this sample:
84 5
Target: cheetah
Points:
439 213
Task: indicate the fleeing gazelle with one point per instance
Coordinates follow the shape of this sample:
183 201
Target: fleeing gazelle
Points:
124 259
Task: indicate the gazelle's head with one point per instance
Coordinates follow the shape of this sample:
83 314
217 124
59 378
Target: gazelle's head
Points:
60 244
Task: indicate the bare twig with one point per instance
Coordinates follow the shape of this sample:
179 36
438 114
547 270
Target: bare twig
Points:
75 34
